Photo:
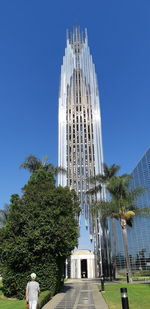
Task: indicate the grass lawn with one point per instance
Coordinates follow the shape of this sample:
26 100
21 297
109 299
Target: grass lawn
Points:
138 295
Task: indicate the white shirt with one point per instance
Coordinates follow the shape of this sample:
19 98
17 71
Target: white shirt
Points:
33 290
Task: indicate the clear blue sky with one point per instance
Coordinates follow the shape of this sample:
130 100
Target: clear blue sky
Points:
32 43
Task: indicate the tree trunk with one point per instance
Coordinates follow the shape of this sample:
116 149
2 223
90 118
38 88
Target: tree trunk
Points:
124 233
114 247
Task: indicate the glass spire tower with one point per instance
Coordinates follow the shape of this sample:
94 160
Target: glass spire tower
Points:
80 149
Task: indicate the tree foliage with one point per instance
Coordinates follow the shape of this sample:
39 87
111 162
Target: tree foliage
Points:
40 231
122 206
33 164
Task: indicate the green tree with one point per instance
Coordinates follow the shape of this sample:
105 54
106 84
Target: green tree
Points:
32 164
40 232
3 215
97 183
122 206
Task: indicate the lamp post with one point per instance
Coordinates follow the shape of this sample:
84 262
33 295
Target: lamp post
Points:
66 269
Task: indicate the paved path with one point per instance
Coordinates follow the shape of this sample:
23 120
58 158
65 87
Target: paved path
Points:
78 294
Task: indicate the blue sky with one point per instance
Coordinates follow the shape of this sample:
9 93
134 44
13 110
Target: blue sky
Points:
32 43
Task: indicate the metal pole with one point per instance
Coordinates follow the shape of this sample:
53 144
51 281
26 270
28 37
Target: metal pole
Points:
102 284
127 277
66 274
124 298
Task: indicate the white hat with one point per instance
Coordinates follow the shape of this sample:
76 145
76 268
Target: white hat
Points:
33 275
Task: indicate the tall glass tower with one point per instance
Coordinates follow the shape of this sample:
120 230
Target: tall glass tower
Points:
80 149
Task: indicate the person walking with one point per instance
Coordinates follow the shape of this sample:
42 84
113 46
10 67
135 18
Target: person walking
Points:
32 292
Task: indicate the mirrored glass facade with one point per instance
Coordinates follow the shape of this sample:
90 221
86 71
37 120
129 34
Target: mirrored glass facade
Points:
139 234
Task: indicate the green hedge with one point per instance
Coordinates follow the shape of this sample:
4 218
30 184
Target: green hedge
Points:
49 274
44 299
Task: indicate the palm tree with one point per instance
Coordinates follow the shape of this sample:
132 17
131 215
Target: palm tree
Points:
33 164
107 211
97 183
122 206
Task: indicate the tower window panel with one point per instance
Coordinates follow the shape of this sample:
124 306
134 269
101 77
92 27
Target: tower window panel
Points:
82 171
93 148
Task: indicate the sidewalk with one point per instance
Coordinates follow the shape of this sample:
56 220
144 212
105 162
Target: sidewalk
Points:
78 294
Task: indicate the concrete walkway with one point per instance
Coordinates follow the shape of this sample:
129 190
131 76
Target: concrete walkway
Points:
78 294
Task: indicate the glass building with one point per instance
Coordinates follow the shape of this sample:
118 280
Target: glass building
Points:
80 149
139 234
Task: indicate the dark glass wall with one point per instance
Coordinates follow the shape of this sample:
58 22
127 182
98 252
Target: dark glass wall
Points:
139 234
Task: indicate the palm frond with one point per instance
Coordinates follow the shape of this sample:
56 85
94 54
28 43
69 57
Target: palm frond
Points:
31 163
94 190
143 212
110 171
